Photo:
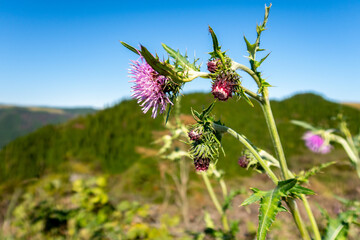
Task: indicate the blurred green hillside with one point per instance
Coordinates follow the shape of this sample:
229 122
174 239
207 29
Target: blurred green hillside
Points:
114 139
19 121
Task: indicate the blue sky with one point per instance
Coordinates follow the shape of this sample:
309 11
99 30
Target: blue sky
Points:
66 53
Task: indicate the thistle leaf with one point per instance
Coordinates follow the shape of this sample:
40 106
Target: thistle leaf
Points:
155 63
253 198
242 93
180 59
264 58
251 48
215 41
298 190
131 48
270 205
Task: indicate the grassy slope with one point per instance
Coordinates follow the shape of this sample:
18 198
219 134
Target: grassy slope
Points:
19 121
108 139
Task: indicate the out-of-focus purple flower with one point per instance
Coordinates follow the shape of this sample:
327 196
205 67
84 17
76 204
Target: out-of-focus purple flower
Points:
243 161
222 89
201 164
149 87
316 143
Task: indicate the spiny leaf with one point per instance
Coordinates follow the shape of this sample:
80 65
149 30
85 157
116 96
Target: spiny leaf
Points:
207 110
215 41
181 60
155 63
242 93
131 48
298 190
263 59
195 114
253 198
251 48
270 205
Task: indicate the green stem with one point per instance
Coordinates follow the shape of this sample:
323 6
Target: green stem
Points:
353 157
274 135
249 146
286 174
215 201
298 220
235 66
314 225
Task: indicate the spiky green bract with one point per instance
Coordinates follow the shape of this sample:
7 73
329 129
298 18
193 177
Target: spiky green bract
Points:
255 47
270 202
209 143
217 53
181 62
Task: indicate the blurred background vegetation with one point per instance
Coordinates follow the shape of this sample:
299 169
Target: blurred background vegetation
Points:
49 171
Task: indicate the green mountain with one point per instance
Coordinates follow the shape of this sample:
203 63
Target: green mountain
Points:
19 121
109 140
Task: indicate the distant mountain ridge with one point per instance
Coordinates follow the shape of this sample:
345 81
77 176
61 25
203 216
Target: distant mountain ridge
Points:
16 121
108 139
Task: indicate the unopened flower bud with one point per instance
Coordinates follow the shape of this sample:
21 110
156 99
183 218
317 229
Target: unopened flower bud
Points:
194 135
243 161
201 164
213 65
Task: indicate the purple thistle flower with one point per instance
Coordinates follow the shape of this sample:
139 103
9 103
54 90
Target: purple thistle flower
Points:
222 90
316 143
149 87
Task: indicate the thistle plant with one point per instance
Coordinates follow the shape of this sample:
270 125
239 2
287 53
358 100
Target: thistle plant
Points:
319 140
171 74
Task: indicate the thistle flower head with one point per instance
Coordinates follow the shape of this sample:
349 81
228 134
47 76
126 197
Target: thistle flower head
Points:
150 88
316 143
225 84
222 90
201 164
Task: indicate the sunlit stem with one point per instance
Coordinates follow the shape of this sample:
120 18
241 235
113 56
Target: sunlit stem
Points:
353 156
298 220
221 180
286 174
236 66
194 74
215 201
274 135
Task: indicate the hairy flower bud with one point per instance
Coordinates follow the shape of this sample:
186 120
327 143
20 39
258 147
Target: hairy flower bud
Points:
201 163
194 135
213 65
243 161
